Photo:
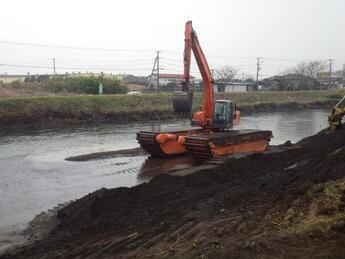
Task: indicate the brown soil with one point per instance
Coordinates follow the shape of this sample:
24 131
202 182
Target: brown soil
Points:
287 203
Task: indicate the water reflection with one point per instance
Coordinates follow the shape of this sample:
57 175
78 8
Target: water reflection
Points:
154 166
286 126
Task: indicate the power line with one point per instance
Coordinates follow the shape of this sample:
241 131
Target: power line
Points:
38 61
268 58
141 50
242 66
212 56
64 67
172 64
26 66
147 60
176 70
290 60
71 47
171 59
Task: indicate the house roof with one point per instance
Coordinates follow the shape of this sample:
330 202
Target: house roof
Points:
247 83
174 76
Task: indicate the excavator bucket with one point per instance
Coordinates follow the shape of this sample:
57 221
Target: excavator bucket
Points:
182 102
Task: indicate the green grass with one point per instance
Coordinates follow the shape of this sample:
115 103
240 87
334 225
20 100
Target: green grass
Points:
255 98
21 107
103 104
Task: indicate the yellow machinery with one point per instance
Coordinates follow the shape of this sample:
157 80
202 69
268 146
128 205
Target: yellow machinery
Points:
337 114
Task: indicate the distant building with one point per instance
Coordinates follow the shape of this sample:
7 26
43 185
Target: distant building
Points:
234 86
167 79
337 78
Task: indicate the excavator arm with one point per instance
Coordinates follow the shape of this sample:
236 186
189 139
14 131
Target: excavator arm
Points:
204 117
208 98
187 54
183 100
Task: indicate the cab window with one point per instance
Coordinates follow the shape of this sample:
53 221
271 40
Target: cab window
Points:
220 112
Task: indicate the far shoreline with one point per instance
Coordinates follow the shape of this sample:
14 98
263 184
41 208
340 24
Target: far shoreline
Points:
64 111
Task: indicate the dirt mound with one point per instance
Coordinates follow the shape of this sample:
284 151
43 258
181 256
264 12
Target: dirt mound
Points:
279 204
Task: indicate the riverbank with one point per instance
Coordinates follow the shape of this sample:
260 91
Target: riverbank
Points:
287 202
67 110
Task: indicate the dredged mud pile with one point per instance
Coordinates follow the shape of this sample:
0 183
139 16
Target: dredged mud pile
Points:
288 203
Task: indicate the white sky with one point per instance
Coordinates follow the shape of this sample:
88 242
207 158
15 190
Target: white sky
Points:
231 32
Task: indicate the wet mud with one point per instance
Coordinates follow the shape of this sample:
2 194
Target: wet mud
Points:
108 154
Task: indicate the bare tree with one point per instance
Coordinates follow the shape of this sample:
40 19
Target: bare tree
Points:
226 73
310 69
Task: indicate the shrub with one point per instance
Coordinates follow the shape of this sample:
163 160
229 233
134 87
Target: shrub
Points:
80 85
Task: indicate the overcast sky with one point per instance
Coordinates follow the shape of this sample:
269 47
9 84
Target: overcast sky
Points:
231 32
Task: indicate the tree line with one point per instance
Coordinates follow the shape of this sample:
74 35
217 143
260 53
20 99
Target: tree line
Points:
77 85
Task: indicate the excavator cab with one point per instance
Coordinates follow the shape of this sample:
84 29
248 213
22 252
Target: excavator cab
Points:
224 114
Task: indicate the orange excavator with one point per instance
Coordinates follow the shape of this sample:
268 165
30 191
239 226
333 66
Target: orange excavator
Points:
213 135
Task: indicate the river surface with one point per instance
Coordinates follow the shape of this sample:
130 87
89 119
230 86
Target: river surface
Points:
35 177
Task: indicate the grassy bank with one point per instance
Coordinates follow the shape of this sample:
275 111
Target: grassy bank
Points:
121 108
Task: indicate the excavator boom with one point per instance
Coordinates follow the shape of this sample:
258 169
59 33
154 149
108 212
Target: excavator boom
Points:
187 54
192 45
208 98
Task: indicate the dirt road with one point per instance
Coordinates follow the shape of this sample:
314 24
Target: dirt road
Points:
289 202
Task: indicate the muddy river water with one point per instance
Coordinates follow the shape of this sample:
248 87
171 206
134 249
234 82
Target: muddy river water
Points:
35 177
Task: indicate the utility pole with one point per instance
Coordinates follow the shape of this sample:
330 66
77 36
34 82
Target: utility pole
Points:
157 69
343 75
258 68
330 73
153 69
54 66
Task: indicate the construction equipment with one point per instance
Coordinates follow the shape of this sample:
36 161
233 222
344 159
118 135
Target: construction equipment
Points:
213 135
338 111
